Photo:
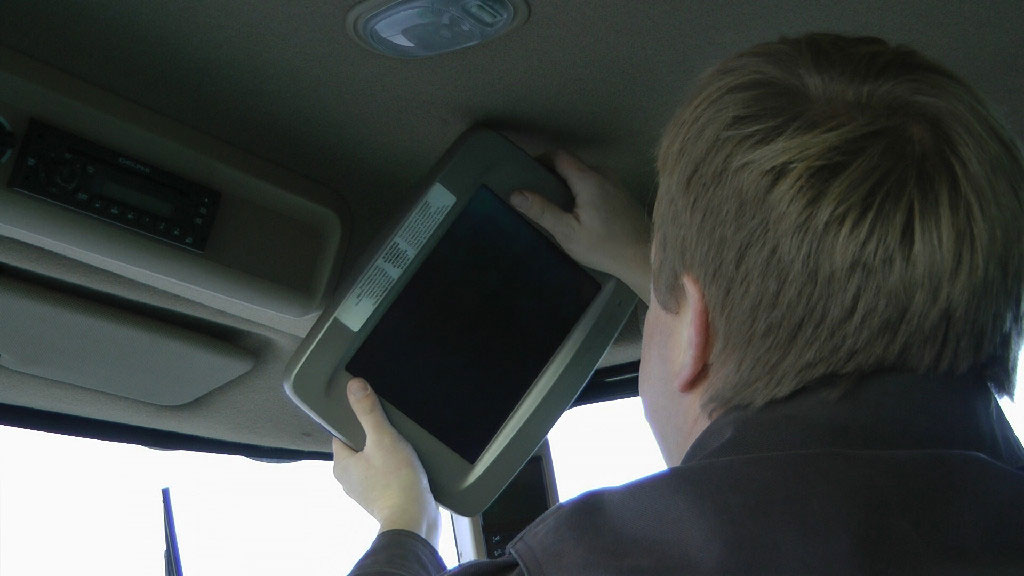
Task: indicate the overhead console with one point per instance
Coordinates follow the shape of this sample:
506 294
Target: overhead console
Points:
95 178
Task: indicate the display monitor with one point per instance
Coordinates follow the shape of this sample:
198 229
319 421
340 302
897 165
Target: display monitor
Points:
470 323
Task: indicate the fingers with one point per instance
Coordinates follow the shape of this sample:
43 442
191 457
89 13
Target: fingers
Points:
557 222
576 174
368 410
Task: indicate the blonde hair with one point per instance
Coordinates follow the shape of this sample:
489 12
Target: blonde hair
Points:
847 207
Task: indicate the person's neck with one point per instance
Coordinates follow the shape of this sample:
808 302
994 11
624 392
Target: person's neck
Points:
693 423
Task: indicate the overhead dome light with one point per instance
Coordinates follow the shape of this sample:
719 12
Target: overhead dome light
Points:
420 28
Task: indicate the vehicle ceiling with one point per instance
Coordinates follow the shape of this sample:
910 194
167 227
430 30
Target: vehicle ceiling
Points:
283 81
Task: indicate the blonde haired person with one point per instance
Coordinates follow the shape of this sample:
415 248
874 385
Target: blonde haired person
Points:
836 299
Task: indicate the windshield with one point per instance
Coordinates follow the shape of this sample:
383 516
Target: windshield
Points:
72 504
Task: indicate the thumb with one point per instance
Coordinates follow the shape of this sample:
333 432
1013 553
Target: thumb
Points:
556 221
367 408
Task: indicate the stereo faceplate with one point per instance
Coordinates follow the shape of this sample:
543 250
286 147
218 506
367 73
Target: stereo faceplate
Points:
84 176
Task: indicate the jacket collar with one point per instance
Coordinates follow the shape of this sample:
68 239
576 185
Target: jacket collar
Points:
881 412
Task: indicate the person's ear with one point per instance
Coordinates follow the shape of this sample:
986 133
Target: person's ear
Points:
697 353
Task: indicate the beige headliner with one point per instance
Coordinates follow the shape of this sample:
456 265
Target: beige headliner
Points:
281 80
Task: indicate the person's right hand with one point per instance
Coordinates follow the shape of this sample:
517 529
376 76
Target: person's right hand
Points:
606 230
386 478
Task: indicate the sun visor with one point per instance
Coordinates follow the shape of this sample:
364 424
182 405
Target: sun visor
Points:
67 338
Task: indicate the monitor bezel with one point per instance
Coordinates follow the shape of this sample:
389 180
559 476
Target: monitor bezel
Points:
316 377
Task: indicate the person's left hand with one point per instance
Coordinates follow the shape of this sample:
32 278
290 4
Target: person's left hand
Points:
386 477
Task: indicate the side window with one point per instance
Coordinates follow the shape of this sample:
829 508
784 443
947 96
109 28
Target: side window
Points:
1014 410
609 443
599 445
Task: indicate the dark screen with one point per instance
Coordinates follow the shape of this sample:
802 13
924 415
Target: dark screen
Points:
522 501
475 325
136 199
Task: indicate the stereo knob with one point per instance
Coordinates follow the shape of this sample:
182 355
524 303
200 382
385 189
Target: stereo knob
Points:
68 174
7 141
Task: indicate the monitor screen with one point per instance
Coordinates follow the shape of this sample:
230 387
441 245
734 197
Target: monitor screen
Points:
475 325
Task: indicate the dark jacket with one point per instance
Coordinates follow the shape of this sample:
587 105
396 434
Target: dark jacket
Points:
888 475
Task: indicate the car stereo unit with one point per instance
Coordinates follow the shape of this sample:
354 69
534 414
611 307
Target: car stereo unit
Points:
73 172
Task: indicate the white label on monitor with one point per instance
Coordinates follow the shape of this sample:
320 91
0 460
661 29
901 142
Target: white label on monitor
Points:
378 279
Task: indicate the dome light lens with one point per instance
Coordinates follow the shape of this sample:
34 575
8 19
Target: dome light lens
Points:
420 28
